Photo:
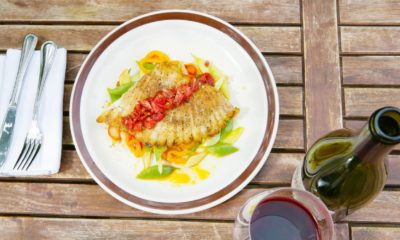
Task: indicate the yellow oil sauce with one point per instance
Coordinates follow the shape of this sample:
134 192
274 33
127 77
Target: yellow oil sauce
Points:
179 177
201 173
182 177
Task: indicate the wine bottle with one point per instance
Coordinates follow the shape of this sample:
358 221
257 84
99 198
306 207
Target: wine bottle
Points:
348 169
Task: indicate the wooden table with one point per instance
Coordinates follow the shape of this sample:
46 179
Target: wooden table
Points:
334 63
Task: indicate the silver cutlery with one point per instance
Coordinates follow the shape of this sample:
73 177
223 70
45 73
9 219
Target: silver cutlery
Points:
7 128
33 140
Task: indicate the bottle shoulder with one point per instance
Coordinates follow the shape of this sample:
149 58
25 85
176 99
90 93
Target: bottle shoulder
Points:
335 146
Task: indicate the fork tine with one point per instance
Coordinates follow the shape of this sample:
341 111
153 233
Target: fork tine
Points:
21 155
28 153
29 157
35 152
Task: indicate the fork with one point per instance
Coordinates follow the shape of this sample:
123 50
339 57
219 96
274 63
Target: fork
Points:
33 140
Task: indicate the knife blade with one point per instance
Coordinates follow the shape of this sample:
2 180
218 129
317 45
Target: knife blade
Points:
7 128
7 133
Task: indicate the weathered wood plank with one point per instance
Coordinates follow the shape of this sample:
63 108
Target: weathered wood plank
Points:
373 233
277 171
355 124
286 70
358 124
375 12
75 37
291 100
371 70
384 209
275 39
262 11
322 73
71 168
279 168
342 231
74 63
67 97
77 200
394 169
19 228
290 134
375 40
83 38
67 137
362 102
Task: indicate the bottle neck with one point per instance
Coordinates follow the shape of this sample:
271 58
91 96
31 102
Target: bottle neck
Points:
379 136
368 149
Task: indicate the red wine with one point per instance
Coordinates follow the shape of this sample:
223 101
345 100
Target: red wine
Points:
281 218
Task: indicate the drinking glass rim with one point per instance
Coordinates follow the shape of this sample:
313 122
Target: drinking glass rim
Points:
268 192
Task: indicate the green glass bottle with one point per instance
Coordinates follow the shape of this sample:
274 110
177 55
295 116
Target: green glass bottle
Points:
348 169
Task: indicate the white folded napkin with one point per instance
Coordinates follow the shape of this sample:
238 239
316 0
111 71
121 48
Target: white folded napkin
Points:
50 111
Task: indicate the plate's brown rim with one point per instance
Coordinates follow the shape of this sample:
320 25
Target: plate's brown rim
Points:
76 127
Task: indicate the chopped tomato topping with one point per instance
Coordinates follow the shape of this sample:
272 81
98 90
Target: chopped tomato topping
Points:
206 78
148 112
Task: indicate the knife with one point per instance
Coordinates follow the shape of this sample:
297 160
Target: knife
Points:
7 128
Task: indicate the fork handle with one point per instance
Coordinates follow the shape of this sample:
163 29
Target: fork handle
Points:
47 54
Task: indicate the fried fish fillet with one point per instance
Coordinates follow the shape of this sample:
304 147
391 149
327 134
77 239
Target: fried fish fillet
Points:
205 114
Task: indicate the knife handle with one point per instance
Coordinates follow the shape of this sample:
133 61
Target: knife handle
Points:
27 51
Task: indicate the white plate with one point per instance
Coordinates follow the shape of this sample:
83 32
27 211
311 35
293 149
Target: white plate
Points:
179 34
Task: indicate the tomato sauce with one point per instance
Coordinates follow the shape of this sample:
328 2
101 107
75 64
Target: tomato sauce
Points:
148 112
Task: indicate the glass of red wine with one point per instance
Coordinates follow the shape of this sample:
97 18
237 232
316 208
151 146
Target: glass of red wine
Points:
284 214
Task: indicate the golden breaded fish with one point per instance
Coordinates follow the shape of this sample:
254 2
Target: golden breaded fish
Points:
205 114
